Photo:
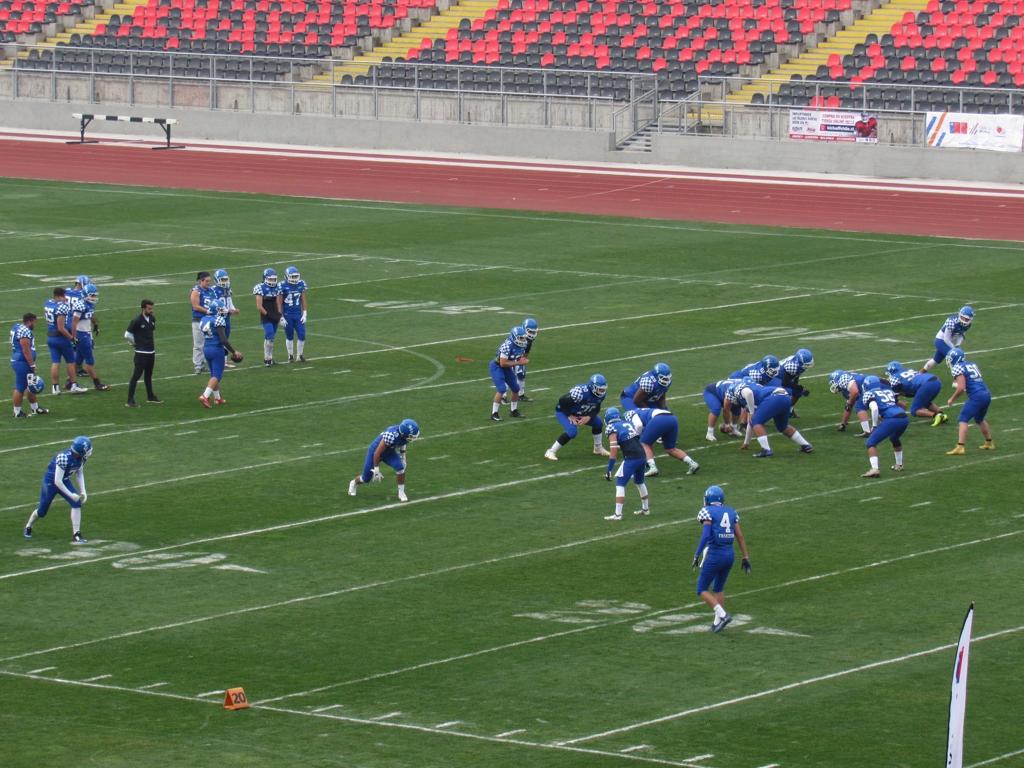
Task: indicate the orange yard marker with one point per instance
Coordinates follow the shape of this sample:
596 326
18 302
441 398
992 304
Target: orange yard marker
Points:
234 698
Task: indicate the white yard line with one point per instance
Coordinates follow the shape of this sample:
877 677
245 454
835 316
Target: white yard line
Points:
98 677
41 670
388 716
997 759
329 707
151 686
505 734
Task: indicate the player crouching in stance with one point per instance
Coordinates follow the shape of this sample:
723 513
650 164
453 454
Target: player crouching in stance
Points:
716 397
720 526
215 342
923 387
850 386
949 336
511 353
889 422
649 390
658 424
967 378
579 406
625 434
764 403
57 482
388 447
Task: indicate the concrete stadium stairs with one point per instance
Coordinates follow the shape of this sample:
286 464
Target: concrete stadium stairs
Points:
88 26
879 21
435 28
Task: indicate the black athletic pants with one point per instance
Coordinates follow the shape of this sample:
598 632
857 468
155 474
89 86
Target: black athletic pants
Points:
143 368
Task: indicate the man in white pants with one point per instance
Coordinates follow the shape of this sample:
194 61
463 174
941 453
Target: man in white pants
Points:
200 298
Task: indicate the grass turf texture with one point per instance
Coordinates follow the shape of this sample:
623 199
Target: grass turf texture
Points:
414 613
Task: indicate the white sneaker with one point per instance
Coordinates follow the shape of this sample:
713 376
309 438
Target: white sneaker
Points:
550 455
55 389
352 488
613 517
600 450
710 437
402 496
651 471
692 470
77 389
643 511
897 467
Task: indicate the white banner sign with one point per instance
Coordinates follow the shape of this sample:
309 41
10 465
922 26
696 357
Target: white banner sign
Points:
832 125
1003 133
958 695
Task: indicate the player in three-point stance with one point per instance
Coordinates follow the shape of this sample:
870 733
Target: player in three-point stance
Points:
888 422
511 353
294 309
580 406
790 370
57 482
388 447
716 397
83 313
215 346
61 341
850 386
23 363
967 378
624 434
649 389
762 404
658 424
949 336
923 387
268 302
720 526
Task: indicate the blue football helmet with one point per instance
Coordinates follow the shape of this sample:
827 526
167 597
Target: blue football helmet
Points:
83 280
611 415
292 275
771 365
662 373
222 278
805 357
833 380
954 357
82 445
531 328
218 307
737 388
872 382
714 495
894 369
966 315
598 385
270 277
409 429
519 335
92 293
35 383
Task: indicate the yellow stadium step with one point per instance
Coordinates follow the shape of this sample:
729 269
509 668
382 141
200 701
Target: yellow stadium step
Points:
879 22
435 28
88 26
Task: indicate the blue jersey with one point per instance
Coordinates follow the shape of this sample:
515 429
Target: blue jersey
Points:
791 367
647 382
391 437
846 380
723 521
510 350
84 310
224 293
885 399
53 309
292 297
759 392
21 331
209 325
952 331
973 382
908 382
755 371
74 293
723 387
627 434
580 401
206 298
67 460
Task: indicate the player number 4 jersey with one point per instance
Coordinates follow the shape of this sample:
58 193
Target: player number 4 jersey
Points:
723 521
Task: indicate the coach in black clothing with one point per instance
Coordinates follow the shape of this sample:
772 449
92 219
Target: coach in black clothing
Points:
140 335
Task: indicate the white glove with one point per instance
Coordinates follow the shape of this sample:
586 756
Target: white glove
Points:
377 475
282 322
303 319
75 497
83 497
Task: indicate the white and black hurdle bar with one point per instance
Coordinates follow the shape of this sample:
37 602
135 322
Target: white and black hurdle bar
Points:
165 124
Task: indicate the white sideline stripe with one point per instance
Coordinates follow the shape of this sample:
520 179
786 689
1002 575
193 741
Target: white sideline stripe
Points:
504 558
94 679
448 724
503 734
992 760
41 670
920 504
151 686
218 692
871 498
636 748
629 619
788 687
388 716
695 758
329 707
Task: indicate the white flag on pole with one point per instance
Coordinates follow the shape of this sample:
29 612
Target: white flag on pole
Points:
958 695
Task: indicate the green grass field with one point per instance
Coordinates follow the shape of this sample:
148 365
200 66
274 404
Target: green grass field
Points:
497 619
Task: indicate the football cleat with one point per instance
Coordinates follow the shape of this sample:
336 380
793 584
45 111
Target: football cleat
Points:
600 450
693 469
958 451
41 411
864 434
352 488
101 387
55 389
940 418
988 445
76 389
28 532
718 626
644 512
613 517
764 453
205 401
495 417
78 538
710 437
131 404
402 496
872 473
550 455
21 415
302 358
897 467
807 448
651 471
154 400
524 398
516 415
268 363
291 358
220 401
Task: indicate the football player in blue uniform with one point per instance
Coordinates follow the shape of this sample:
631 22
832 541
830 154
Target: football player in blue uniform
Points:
61 341
57 482
716 397
222 290
530 324
764 403
790 370
511 353
200 299
658 424
951 334
720 527
578 407
77 291
888 420
293 302
83 313
967 378
388 447
268 302
761 371
215 346
649 389
850 386
923 387
23 363
623 434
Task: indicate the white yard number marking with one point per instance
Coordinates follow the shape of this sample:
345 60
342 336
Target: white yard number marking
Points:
155 561
434 306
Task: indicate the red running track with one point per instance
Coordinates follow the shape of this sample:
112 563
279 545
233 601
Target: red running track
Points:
863 206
